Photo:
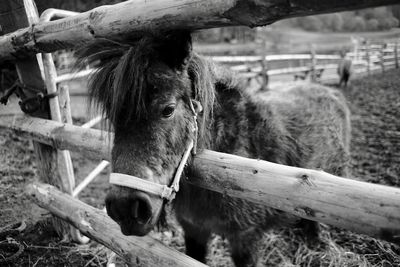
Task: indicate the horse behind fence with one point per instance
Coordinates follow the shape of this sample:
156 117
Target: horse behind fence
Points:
160 97
344 70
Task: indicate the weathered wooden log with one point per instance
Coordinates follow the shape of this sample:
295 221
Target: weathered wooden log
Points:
316 195
90 142
94 223
131 18
358 206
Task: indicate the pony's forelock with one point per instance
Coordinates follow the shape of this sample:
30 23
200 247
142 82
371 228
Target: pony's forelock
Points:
117 87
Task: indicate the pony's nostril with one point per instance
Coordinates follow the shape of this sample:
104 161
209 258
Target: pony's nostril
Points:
109 209
135 209
141 210
108 205
117 208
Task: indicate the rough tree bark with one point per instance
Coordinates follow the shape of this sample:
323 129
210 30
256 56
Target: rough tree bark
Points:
131 19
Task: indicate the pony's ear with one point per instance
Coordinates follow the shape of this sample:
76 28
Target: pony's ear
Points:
176 49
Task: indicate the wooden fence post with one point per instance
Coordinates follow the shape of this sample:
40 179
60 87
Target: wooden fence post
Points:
264 73
368 57
264 66
382 53
396 53
355 43
65 104
64 163
313 64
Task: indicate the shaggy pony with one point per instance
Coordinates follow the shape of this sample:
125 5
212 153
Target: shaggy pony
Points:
144 89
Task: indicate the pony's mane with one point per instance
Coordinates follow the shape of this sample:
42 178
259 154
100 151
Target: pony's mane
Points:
119 78
202 73
119 88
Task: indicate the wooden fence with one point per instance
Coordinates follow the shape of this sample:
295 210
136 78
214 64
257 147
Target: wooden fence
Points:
362 207
359 206
366 59
130 19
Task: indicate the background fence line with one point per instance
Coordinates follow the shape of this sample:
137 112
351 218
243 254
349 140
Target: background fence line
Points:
366 59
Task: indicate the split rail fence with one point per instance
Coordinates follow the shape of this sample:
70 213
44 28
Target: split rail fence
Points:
366 59
362 207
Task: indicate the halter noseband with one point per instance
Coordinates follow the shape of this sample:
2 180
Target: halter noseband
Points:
163 191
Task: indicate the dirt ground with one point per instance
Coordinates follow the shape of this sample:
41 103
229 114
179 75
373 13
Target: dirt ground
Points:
375 106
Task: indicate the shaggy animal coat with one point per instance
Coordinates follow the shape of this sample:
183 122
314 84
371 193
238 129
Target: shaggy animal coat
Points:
344 70
301 124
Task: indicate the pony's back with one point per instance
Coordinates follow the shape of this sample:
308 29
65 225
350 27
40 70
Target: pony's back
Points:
301 124
318 118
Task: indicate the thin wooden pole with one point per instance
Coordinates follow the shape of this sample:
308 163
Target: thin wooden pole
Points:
396 53
96 171
92 122
264 65
65 167
88 179
313 64
66 117
264 74
357 49
368 55
382 60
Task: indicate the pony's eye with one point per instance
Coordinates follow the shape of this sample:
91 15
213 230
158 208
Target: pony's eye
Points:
168 111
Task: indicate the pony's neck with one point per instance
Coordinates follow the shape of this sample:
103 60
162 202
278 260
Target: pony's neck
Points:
225 113
219 91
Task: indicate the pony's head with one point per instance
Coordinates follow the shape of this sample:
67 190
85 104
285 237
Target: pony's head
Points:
149 90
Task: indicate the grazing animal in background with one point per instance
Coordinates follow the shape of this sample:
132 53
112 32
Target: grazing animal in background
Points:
344 70
145 88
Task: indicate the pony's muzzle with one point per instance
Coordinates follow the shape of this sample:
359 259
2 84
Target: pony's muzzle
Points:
132 212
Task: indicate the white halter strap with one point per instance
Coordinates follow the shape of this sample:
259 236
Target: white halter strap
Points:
163 191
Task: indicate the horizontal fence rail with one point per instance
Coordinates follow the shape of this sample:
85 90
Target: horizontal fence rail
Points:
358 206
131 19
362 62
94 223
238 59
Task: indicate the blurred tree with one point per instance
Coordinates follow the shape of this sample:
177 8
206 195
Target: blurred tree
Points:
396 11
336 23
311 23
371 19
372 25
388 23
358 24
